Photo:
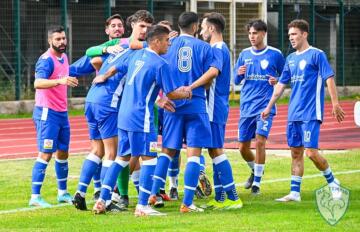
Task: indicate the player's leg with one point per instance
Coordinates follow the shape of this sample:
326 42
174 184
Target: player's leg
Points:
311 131
295 142
173 173
262 132
247 127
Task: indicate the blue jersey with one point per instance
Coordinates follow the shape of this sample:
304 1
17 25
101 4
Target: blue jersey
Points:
218 94
147 73
256 91
109 92
306 72
45 67
189 58
83 66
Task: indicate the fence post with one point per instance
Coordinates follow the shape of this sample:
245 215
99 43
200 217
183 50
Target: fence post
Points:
312 22
107 9
341 60
64 15
281 25
150 6
17 34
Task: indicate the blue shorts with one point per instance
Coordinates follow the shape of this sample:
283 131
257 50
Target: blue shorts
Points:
217 135
192 128
303 134
137 143
52 130
251 126
102 121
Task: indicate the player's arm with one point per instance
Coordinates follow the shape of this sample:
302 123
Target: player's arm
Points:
206 78
102 48
96 62
103 77
41 83
239 70
278 91
337 111
179 93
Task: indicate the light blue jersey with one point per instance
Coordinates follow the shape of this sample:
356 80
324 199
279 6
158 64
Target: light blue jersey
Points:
189 58
218 94
108 93
256 91
147 73
306 72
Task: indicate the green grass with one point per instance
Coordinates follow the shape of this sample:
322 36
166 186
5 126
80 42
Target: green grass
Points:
72 112
260 213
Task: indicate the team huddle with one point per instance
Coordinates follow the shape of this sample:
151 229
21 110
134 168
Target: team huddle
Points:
161 82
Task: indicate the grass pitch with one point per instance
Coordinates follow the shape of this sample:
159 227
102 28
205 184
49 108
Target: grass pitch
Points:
260 213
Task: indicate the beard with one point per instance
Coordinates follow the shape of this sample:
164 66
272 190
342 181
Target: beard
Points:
61 48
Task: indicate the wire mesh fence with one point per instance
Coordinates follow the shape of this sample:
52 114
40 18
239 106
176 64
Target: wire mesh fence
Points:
85 23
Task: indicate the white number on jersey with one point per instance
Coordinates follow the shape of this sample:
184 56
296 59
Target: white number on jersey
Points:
307 136
185 59
265 126
138 65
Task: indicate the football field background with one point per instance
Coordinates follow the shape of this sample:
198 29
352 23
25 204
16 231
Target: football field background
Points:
260 213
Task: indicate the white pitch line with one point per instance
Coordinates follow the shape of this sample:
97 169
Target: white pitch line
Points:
238 184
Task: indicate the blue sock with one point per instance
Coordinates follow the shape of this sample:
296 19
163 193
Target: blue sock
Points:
110 178
328 175
219 191
146 180
173 171
105 166
162 166
202 163
62 171
38 175
191 178
295 184
97 178
90 166
258 172
135 177
223 167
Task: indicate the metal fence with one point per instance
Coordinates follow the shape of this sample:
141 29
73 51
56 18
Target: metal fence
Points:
23 25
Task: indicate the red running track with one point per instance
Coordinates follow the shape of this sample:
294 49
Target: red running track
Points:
18 138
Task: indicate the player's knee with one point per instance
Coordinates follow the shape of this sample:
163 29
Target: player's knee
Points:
260 142
311 153
243 148
62 155
46 156
297 154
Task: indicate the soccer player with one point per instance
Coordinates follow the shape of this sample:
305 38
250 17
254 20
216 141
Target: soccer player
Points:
114 28
50 116
212 28
189 58
147 73
259 66
306 70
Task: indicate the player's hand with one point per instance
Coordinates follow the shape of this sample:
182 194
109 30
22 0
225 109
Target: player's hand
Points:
69 81
272 80
99 79
265 114
166 103
186 89
173 34
338 112
114 49
241 70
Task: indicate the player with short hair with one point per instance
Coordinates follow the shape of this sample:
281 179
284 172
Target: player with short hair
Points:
258 66
50 116
212 27
189 58
306 70
147 73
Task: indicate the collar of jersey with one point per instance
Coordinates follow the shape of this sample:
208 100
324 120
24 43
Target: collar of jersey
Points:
187 35
299 53
258 53
150 50
217 43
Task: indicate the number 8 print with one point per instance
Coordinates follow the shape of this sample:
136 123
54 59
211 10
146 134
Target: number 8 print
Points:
185 59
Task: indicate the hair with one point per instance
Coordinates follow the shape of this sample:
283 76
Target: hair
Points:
216 19
154 32
257 24
166 24
55 28
301 24
142 16
115 16
187 19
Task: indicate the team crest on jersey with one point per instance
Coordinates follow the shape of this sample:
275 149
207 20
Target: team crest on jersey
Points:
48 143
302 64
264 64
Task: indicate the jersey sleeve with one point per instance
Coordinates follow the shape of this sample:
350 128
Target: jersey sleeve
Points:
208 54
122 63
165 81
239 62
81 67
98 50
217 59
280 62
285 75
325 69
44 67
